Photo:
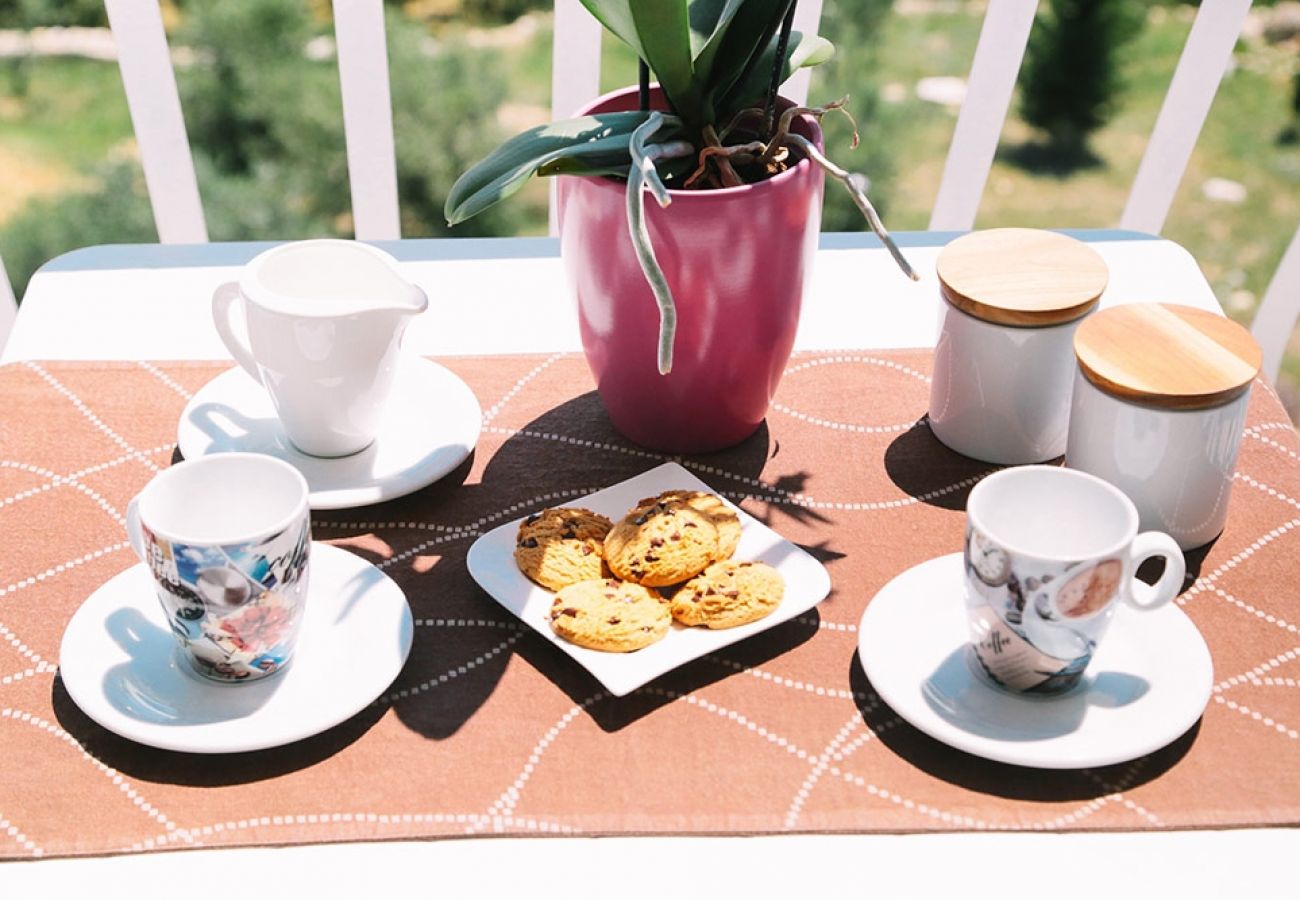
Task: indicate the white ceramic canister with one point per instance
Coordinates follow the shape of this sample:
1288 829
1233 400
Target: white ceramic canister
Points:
1159 405
1004 361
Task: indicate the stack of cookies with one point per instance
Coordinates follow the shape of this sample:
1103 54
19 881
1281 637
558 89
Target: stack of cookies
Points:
620 585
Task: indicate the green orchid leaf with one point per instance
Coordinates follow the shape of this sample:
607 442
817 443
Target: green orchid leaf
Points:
613 163
659 32
710 20
736 39
508 168
803 50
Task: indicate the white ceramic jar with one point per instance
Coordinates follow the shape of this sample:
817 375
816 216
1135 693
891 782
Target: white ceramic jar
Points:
1004 361
1159 404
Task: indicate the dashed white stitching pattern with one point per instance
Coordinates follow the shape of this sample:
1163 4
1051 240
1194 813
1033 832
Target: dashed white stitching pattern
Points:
840 358
1255 675
505 804
72 480
848 426
23 650
137 799
1269 426
468 623
86 411
1272 443
62 567
763 675
1206 582
23 840
165 379
1255 611
473 529
325 818
518 386
822 623
1259 485
576 442
815 773
451 674
1257 716
1121 784
832 425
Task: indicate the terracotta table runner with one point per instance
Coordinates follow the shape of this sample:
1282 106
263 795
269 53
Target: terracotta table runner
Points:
489 729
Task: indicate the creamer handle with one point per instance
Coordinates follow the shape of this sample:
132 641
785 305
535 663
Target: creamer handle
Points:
223 300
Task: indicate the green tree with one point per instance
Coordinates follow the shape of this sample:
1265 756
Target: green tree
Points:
1071 77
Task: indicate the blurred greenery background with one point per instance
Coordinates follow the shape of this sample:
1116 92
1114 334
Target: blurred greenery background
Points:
260 94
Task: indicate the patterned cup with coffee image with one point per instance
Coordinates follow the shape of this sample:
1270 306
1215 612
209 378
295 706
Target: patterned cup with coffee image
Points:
1049 554
227 540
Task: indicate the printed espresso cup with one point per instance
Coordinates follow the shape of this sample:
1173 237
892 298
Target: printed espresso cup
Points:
1049 554
227 539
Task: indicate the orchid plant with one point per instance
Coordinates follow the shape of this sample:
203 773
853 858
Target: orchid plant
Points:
719 64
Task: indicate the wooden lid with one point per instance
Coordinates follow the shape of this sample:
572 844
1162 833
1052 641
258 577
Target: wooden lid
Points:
1160 354
1021 276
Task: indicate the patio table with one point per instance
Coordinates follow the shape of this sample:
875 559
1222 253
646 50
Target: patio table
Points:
117 322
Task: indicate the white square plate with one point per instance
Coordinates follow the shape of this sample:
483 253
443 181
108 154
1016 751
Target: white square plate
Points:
492 563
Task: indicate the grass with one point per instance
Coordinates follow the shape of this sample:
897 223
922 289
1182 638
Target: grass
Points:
59 118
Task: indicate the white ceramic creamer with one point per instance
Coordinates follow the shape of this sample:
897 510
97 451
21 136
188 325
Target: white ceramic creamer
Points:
1004 361
323 320
1159 405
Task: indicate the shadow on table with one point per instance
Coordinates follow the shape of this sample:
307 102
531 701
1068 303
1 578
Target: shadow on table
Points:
467 640
1151 569
925 469
1002 779
209 770
615 713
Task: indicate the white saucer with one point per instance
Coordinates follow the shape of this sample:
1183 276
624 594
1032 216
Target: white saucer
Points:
431 424
491 562
1148 682
122 666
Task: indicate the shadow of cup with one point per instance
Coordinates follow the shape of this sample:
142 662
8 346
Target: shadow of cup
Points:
966 699
227 428
158 686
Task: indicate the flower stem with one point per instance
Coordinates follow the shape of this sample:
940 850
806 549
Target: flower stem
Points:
778 64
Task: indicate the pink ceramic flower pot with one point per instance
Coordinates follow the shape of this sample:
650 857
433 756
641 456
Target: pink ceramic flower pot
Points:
736 260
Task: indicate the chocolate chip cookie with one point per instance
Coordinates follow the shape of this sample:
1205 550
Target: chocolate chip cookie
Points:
722 516
610 615
661 542
561 546
727 594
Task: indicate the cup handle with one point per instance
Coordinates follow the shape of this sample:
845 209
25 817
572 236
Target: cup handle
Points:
134 533
1148 545
223 300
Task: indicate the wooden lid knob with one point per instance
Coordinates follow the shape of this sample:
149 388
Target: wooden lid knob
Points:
1021 276
1161 354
